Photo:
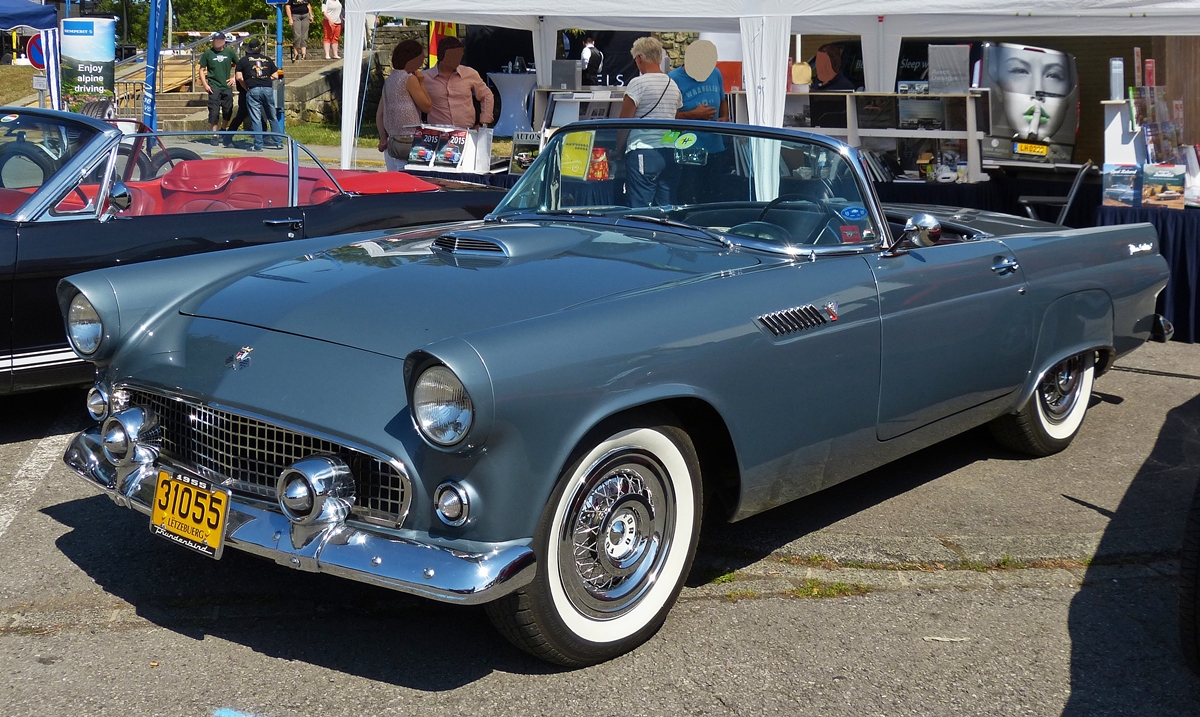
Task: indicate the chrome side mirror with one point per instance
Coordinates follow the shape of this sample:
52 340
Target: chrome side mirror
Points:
922 230
119 196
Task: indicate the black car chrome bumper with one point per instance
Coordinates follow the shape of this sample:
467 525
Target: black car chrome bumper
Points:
337 549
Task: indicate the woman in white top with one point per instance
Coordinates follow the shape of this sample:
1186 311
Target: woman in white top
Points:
332 26
649 164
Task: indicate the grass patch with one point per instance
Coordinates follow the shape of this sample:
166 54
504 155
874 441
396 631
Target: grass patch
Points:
1006 562
330 135
15 82
724 578
813 588
740 595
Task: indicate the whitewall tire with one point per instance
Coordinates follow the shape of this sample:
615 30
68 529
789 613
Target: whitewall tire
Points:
1051 419
614 545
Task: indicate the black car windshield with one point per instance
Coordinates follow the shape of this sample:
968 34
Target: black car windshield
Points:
776 192
33 147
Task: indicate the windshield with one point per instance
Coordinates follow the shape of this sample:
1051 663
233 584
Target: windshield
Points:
32 148
776 192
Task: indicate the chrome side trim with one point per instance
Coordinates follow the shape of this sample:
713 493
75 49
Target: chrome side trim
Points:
339 549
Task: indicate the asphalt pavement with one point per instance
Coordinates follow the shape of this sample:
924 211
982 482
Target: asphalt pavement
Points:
961 580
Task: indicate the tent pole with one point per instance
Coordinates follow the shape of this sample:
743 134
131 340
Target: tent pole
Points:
362 107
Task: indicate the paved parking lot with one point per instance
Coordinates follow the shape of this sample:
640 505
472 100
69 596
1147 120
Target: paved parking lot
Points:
979 583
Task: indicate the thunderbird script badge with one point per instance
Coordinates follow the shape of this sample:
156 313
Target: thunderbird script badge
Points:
239 360
831 308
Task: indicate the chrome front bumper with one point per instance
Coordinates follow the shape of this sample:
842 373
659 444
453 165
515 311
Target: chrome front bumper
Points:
337 549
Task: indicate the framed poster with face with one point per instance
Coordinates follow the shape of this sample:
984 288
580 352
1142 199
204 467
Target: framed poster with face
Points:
1034 102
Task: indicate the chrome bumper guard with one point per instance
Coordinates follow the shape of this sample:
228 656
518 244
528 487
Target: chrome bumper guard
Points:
336 549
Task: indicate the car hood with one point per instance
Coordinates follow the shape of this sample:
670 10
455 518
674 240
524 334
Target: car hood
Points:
396 294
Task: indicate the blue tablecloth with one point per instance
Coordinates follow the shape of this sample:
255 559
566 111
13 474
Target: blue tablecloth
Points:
1179 242
988 196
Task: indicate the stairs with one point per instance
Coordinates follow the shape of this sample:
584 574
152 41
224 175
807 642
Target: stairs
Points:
296 70
183 111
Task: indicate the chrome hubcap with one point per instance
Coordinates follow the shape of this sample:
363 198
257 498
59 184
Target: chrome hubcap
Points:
1059 390
617 533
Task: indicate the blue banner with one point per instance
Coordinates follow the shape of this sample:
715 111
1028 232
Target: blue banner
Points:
158 18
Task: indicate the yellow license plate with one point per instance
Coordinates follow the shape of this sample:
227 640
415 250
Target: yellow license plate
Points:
191 512
1030 148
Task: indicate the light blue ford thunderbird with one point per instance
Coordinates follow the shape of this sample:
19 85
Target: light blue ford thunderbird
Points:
661 322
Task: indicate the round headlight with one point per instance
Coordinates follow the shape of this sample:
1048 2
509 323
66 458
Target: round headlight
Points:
83 325
441 406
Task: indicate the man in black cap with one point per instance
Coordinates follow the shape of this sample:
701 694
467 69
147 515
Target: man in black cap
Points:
258 72
216 75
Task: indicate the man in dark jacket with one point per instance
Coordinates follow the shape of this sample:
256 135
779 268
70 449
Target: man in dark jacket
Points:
259 73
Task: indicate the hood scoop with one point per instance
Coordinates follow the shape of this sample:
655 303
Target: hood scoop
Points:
468 243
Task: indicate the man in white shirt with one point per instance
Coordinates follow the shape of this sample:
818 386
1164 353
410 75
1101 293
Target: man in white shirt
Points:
649 163
593 62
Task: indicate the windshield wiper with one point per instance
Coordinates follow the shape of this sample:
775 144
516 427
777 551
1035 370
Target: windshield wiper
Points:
668 222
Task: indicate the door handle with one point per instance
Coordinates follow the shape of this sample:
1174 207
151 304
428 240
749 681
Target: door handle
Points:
1004 266
294 223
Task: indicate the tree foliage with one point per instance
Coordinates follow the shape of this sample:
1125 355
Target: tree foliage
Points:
195 15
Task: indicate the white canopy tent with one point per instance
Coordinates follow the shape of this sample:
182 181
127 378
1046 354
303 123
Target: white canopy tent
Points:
766 25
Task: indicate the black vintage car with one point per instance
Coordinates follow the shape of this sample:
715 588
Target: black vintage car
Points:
77 193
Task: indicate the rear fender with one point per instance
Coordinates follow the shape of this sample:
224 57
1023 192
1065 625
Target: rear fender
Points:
1073 324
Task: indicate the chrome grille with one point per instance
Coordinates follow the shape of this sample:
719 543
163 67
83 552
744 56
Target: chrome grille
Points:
452 243
247 454
789 321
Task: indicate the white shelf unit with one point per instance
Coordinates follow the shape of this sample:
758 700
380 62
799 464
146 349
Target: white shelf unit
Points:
852 134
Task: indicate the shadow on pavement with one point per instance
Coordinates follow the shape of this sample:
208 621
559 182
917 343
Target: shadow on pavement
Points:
750 540
27 416
1125 655
338 624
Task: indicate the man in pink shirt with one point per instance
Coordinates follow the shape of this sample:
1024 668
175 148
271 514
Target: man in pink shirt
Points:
451 86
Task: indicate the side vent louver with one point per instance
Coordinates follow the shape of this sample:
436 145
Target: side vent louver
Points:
454 244
789 321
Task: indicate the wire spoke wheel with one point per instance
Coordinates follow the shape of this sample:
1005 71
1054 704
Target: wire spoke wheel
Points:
1050 419
619 528
1059 390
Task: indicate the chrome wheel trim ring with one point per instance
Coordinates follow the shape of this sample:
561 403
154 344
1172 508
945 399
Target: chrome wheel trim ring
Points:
618 531
1060 390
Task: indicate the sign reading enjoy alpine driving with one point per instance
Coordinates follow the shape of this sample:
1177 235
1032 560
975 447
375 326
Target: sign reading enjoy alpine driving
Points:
88 57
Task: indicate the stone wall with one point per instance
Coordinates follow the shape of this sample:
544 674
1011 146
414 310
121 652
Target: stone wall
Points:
675 43
386 39
318 99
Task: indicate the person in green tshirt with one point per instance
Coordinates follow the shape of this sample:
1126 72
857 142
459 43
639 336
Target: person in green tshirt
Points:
217 66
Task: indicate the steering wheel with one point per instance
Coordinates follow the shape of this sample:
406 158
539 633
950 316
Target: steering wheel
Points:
828 214
764 231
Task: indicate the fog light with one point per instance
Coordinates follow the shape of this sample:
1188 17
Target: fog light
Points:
97 403
316 489
131 436
451 503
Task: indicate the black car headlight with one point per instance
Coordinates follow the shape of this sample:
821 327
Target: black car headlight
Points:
441 406
84 328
